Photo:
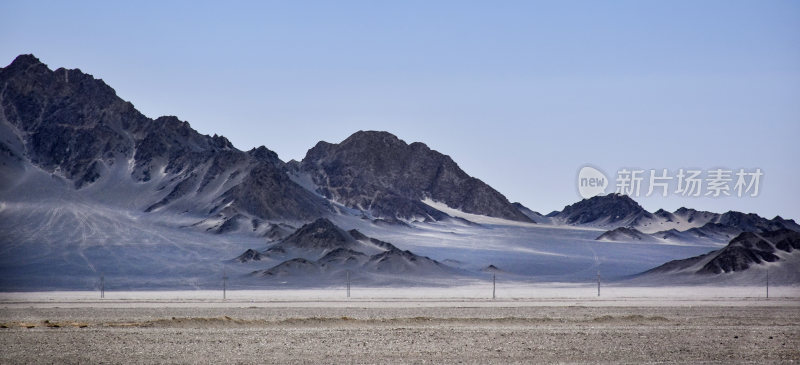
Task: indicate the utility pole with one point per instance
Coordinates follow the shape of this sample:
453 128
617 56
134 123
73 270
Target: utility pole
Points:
348 283
767 283
494 285
102 286
224 283
598 283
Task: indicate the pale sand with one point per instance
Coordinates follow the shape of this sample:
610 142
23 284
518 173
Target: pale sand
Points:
736 330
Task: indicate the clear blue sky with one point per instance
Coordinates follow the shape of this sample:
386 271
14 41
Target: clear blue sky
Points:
520 94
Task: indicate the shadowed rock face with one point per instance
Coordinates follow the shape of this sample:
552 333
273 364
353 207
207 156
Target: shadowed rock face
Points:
724 226
628 220
322 248
754 223
269 193
744 251
399 262
66 120
608 209
536 217
622 234
736 259
73 125
248 256
380 173
784 241
321 234
293 267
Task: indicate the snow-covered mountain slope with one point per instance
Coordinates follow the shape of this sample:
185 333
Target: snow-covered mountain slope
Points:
469 218
318 238
63 243
91 187
526 252
626 220
68 244
744 260
321 252
714 228
625 235
535 216
725 225
70 240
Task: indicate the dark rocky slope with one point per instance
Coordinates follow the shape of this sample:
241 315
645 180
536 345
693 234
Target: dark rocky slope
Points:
746 251
381 174
74 126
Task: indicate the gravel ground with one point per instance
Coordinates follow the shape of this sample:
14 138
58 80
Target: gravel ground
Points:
366 334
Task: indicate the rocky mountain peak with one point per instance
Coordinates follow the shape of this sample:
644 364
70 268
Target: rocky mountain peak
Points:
380 173
318 225
743 252
319 231
264 154
24 61
74 126
605 210
374 139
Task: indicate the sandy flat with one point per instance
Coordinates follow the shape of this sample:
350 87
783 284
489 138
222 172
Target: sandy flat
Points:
690 330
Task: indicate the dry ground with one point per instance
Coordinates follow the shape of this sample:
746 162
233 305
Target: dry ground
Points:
402 332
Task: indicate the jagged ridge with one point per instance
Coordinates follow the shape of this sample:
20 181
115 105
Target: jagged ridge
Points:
382 174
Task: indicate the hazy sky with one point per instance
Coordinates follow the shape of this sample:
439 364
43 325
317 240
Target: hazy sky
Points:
519 94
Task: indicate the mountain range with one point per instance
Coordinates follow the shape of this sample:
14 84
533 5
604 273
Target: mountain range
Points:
321 252
627 220
88 185
775 253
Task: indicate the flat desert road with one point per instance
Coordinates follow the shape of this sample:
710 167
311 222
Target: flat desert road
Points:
402 331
